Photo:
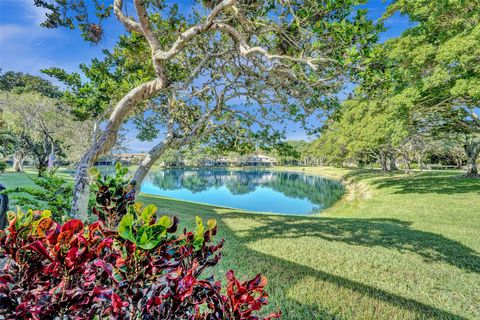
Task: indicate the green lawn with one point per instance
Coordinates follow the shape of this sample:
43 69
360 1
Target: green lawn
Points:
396 247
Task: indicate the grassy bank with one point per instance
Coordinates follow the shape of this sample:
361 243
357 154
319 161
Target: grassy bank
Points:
396 247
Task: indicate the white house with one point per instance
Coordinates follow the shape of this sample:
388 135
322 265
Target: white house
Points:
259 161
216 162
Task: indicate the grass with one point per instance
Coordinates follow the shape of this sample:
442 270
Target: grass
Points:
12 179
396 247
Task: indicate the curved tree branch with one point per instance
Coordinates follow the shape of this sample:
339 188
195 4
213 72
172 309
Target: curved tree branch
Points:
190 33
129 23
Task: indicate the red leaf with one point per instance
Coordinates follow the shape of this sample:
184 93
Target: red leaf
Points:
256 283
69 229
71 258
36 246
43 225
52 233
118 303
107 242
96 226
105 266
5 279
185 286
73 225
12 227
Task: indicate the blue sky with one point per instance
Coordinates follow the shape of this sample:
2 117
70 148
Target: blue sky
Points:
27 47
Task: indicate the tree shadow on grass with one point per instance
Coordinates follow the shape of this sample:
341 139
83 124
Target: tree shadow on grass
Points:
360 174
425 185
387 233
277 270
284 274
440 182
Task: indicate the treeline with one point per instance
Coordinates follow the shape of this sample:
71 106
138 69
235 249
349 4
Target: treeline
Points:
418 97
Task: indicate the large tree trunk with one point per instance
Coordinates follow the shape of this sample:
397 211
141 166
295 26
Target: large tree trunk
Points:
408 163
144 167
382 158
105 142
157 151
472 151
392 158
420 162
18 159
42 166
81 190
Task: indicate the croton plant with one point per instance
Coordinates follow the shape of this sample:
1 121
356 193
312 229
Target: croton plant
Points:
141 268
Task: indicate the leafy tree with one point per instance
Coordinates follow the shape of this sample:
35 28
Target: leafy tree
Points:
51 191
299 51
41 127
434 66
19 82
367 129
421 85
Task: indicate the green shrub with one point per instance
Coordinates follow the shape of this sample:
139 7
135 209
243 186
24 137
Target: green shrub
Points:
54 192
50 191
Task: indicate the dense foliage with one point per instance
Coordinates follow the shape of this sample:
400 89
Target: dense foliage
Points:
34 125
416 89
19 82
141 269
51 191
113 195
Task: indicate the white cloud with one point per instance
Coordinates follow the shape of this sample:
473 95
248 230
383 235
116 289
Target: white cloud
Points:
31 12
19 39
8 31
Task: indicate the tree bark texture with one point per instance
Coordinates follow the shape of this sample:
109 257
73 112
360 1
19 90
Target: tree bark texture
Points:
472 151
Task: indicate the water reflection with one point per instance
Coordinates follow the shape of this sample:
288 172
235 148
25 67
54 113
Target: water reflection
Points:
259 190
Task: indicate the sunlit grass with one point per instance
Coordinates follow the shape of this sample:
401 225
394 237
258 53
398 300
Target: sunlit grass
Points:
409 249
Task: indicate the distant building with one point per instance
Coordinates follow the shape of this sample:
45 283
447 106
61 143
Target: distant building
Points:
177 163
217 162
125 159
223 161
259 161
129 158
106 161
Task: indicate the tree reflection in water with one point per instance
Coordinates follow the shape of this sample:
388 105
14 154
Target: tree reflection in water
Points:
321 192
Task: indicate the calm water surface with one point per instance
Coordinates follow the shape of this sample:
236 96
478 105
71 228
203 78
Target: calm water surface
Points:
253 190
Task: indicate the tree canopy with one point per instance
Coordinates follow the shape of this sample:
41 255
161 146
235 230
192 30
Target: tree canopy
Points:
19 82
422 84
35 122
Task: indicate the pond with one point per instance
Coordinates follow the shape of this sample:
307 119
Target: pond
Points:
252 190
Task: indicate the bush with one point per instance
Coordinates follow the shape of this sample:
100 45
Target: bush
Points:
3 166
55 192
141 269
50 191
